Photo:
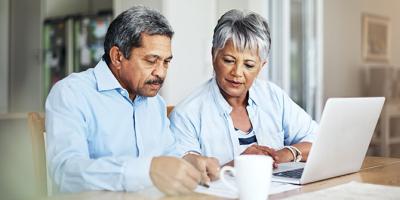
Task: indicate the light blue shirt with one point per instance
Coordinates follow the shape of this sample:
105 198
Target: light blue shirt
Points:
97 138
202 122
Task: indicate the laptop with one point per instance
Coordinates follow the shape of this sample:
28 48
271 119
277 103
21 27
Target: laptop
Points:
344 133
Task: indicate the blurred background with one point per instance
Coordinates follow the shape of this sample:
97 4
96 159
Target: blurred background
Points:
320 49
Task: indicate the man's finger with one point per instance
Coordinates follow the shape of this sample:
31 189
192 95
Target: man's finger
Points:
193 173
204 178
184 189
190 184
213 168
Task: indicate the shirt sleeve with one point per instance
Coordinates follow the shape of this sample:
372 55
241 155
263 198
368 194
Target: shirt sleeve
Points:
68 155
298 126
185 134
170 142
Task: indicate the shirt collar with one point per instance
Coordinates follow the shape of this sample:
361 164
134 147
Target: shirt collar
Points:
221 101
224 106
105 78
253 97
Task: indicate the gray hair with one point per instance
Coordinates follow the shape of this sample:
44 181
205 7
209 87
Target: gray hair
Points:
247 30
125 30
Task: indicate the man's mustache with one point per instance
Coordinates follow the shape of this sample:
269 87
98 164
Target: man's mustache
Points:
158 80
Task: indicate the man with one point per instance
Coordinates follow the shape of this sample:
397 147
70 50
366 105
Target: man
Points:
107 128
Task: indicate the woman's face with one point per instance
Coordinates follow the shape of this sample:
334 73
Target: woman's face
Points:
235 71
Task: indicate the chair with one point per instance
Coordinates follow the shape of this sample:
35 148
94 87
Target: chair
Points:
37 131
169 110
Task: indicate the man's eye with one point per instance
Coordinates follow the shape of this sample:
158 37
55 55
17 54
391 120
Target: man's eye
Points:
151 61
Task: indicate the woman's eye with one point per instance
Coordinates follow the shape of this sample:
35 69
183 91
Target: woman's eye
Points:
249 66
228 61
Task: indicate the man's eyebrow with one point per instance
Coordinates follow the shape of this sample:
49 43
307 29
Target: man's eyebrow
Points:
152 56
157 56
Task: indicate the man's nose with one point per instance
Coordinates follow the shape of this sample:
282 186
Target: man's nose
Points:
159 70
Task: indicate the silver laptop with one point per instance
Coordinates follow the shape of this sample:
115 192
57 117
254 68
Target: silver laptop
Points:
344 133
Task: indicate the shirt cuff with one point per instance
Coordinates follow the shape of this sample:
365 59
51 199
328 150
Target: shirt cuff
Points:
183 153
309 138
136 173
191 152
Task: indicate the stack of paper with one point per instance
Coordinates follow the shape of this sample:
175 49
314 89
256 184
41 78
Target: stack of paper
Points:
353 190
218 188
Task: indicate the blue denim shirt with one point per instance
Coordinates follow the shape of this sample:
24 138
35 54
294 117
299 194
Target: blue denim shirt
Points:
202 121
97 138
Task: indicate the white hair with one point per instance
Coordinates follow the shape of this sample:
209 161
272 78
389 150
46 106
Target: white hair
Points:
246 30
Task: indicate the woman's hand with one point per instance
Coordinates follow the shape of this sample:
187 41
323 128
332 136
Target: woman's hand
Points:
263 150
284 155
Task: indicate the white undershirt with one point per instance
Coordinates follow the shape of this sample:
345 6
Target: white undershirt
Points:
242 135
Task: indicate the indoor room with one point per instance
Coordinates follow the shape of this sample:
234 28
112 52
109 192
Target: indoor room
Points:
319 50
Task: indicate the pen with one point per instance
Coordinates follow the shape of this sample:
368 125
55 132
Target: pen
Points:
204 185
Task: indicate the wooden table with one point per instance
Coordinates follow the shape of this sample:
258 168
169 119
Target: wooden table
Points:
376 170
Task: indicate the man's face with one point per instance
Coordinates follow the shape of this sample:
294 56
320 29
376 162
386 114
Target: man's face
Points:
144 72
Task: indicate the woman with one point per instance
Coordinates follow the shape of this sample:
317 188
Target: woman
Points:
235 113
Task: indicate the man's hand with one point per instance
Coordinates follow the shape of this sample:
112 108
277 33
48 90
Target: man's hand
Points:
174 176
208 167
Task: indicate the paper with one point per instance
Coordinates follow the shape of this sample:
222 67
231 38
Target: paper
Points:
218 188
353 190
277 187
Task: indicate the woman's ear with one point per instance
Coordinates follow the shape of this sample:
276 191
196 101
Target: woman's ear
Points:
264 63
213 55
115 56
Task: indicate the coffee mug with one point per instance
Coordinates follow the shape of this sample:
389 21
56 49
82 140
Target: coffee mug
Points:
253 176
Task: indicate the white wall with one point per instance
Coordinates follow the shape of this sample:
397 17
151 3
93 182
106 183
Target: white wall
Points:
258 6
55 8
4 35
342 42
122 5
193 22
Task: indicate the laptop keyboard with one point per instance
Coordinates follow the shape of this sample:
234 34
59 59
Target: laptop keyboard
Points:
291 174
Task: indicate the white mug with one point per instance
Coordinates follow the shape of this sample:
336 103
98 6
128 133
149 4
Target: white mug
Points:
253 176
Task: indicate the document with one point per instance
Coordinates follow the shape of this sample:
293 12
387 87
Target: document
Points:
218 188
353 190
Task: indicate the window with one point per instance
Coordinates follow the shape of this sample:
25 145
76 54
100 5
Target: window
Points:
296 54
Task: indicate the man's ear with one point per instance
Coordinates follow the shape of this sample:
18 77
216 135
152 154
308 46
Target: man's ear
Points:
115 57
